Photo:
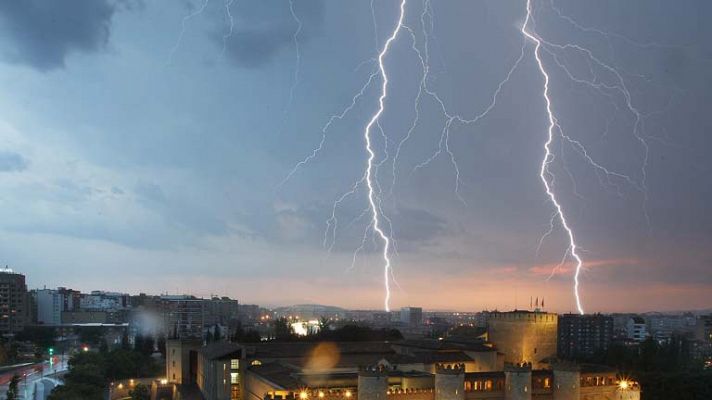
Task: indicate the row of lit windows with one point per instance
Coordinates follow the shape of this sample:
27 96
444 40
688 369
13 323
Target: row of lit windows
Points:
598 380
483 385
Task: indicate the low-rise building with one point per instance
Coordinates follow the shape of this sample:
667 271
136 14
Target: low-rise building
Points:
218 373
636 329
403 370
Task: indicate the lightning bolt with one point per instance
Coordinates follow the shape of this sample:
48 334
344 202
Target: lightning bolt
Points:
297 52
544 172
184 26
449 118
371 170
231 26
607 80
324 129
372 155
613 86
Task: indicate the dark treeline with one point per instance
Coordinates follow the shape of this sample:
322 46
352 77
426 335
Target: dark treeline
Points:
665 371
91 372
283 332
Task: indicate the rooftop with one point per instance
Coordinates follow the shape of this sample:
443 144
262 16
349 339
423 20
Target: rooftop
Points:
220 350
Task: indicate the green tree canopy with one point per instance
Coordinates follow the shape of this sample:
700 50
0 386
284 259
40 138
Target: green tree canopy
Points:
140 392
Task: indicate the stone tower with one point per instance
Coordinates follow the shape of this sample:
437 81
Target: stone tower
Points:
372 383
450 382
518 382
567 382
178 359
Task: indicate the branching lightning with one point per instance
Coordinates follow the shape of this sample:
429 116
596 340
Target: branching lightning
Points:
230 25
375 208
297 52
184 26
325 129
548 156
449 117
602 77
610 83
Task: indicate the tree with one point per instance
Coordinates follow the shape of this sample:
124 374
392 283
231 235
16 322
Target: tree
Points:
4 357
41 336
138 342
140 392
148 345
162 345
125 345
103 347
77 391
91 335
282 330
217 333
144 344
12 388
323 324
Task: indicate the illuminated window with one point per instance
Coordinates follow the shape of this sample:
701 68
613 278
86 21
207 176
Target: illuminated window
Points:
234 378
256 362
234 364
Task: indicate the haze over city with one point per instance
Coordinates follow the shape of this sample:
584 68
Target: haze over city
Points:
145 146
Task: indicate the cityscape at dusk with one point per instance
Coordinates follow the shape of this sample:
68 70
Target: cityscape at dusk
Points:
378 199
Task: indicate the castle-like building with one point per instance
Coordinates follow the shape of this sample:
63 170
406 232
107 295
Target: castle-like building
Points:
402 370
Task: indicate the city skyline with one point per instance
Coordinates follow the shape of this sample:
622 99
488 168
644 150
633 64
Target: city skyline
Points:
149 147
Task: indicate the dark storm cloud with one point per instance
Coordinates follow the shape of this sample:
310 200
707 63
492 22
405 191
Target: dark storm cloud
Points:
308 224
195 215
252 49
274 29
418 225
12 162
41 33
150 192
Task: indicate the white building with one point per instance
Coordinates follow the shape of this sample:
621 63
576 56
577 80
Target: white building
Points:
412 316
636 329
105 301
50 304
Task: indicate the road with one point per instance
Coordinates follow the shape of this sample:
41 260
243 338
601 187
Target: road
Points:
37 380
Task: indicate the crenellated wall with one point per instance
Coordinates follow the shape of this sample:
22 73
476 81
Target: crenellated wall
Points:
567 382
450 382
372 384
518 381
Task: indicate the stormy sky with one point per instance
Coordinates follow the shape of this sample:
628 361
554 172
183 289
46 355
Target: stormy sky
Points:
144 147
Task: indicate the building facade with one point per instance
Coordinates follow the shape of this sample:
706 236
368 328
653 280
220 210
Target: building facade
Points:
182 360
636 329
403 370
411 316
13 302
218 373
583 336
183 316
